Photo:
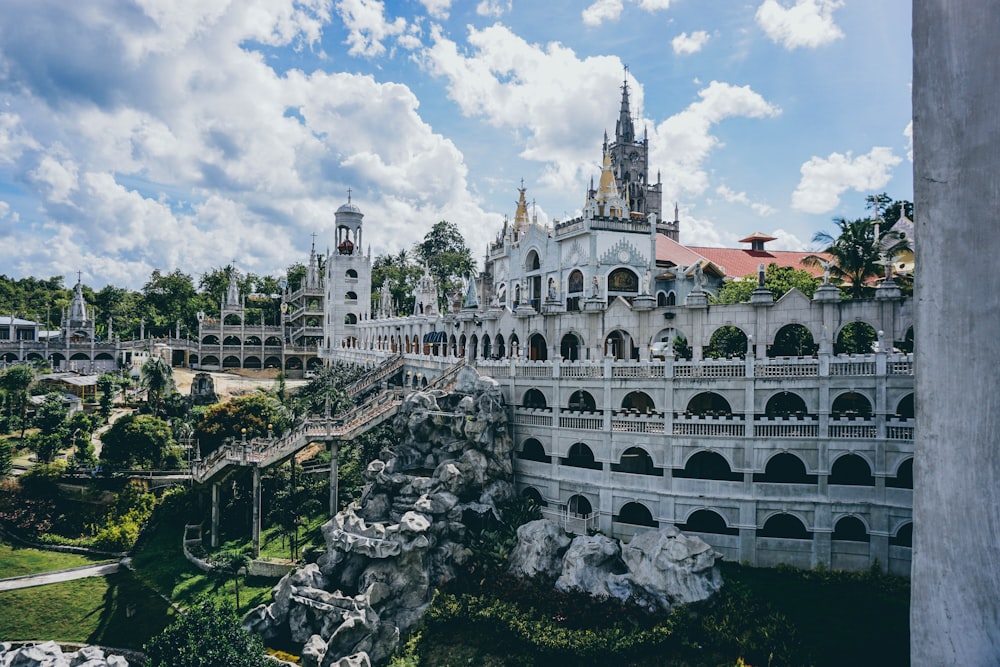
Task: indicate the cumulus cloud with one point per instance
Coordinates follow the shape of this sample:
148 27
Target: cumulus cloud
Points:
437 8
808 24
908 133
7 214
685 44
825 179
611 10
732 196
494 8
682 143
368 27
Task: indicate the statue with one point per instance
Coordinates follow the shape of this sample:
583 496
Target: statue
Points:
552 289
826 264
698 277
761 275
595 287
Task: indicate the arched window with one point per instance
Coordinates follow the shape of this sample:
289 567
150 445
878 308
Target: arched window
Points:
623 281
532 263
708 403
579 505
351 273
533 398
251 362
231 362
501 350
785 526
350 318
581 456
210 340
785 404
903 536
856 338
351 296
707 521
661 299
532 450
487 348
636 461
850 529
905 409
252 340
851 470
727 341
785 468
792 340
272 341
231 340
619 345
851 404
581 400
537 349
232 320
708 465
638 401
671 298
636 514
575 285
532 494
904 476
569 347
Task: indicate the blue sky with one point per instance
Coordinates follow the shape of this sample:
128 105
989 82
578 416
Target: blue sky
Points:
144 134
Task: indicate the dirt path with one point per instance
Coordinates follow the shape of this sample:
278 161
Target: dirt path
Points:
56 576
228 385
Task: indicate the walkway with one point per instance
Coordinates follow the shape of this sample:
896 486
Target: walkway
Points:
57 576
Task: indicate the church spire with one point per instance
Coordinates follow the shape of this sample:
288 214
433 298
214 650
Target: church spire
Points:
624 130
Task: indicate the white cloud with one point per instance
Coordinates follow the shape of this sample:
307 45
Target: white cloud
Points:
654 5
7 214
14 138
437 8
57 178
682 143
601 11
494 8
685 44
367 26
809 23
908 133
786 241
825 179
741 198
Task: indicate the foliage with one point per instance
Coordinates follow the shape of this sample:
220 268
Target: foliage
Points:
6 457
252 412
158 380
856 338
107 384
230 564
208 635
81 428
34 297
130 511
402 273
329 385
778 279
40 481
169 298
447 258
138 441
726 341
15 383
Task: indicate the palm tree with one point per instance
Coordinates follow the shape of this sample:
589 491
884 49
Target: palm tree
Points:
15 383
857 255
231 563
157 380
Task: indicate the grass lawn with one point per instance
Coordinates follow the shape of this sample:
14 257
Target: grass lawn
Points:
93 611
272 545
16 560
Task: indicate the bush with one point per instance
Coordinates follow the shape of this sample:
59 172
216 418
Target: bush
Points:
208 635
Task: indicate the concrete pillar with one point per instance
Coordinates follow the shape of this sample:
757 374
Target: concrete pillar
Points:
215 515
334 477
955 600
255 529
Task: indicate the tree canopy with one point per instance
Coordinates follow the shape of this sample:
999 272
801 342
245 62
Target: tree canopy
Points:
138 441
208 635
226 420
778 279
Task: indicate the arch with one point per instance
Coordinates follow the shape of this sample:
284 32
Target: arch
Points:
792 340
639 401
904 476
537 348
661 298
252 340
905 407
623 281
637 514
100 356
351 273
532 450
906 345
233 320
272 362
210 339
452 346
574 290
569 347
231 340
9 357
851 529
533 398
903 536
727 341
785 526
620 345
293 364
34 356
272 341
851 470
474 346
314 364
785 468
582 401
709 403
708 465
531 262
193 359
581 456
513 346
636 461
210 360
79 356
671 298
252 362
707 521
851 404
350 318
579 504
351 296
231 361
532 494
487 348
785 404
501 350
856 338
670 339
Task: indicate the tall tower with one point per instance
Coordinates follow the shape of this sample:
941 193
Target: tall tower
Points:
630 163
348 282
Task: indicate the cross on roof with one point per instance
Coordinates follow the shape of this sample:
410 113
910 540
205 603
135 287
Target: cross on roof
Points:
348 195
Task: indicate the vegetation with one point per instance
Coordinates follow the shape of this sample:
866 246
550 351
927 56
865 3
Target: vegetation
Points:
778 279
16 561
207 635
139 441
253 412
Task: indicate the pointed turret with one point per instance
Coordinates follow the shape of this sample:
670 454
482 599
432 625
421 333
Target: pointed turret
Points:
78 307
233 292
624 130
521 219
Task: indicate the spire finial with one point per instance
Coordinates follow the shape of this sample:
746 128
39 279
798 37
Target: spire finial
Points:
348 195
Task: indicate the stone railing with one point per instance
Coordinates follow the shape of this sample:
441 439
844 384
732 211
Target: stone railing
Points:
623 421
852 427
577 524
711 368
533 416
899 429
591 421
787 367
786 427
729 426
853 365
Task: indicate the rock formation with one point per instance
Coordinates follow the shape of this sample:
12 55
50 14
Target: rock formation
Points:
385 554
659 569
203 390
49 654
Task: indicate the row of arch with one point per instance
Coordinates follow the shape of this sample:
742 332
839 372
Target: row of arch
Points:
252 362
782 468
709 403
55 357
783 525
252 340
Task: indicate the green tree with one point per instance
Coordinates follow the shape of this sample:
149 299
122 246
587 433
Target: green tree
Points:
778 279
446 256
122 306
402 273
857 254
231 564
296 275
208 635
168 298
81 428
158 381
226 420
6 458
138 441
15 383
107 384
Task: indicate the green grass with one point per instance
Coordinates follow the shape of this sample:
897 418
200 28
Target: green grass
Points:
91 611
271 543
16 561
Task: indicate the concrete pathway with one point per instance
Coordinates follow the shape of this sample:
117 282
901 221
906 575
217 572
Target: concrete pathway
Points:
56 576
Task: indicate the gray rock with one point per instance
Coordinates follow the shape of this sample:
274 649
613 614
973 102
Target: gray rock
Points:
313 651
539 551
356 660
672 567
592 564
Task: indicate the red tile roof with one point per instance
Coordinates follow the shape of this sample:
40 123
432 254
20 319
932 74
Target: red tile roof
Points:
739 262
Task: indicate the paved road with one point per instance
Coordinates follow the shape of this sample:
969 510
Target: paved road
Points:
43 578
